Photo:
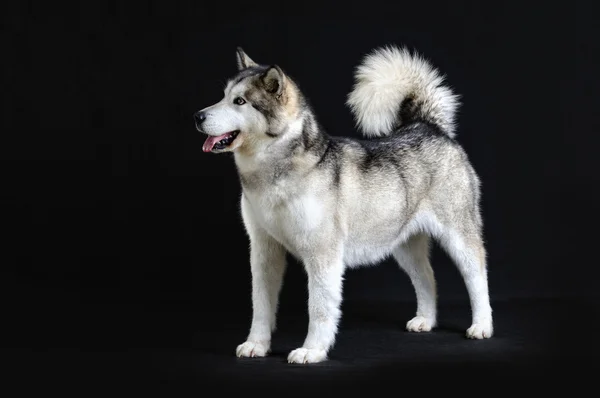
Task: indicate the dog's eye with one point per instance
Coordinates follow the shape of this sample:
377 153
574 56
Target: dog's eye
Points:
239 101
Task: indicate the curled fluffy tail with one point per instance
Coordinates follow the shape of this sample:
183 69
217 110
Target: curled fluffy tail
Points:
394 87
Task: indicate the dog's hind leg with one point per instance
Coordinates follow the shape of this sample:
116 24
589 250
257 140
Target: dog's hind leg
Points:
466 248
413 258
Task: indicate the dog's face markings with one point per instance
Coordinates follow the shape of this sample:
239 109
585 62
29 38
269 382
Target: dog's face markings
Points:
265 93
257 105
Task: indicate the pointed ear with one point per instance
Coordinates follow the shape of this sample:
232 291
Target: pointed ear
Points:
274 80
243 60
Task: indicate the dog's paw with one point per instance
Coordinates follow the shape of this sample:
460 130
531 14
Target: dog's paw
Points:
252 349
483 330
420 324
307 355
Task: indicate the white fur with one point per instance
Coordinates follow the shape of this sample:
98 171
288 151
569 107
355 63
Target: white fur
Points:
413 258
385 78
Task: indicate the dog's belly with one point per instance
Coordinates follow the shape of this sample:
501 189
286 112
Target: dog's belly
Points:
373 227
304 232
305 224
357 255
371 243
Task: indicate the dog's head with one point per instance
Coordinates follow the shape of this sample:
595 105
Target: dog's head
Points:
258 105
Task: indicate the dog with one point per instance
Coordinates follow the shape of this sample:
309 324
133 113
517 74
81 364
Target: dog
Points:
337 203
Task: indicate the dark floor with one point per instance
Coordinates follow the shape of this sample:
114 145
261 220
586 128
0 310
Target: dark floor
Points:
170 347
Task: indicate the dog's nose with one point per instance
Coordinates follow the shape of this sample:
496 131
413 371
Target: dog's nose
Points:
199 117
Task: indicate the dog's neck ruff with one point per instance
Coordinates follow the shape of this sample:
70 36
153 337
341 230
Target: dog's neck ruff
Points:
288 153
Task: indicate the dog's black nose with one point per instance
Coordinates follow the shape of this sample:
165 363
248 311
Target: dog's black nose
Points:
199 117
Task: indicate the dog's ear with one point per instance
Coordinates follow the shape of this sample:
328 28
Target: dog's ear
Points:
243 60
274 80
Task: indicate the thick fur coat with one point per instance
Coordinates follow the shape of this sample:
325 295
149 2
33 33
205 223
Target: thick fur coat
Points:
337 203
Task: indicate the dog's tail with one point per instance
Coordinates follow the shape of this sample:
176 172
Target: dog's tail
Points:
394 88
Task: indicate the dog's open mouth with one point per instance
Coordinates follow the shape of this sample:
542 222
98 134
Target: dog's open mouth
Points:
219 142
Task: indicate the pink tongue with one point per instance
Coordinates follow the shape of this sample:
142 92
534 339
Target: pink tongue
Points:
211 141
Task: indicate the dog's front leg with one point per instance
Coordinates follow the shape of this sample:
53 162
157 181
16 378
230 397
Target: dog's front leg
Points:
325 274
267 262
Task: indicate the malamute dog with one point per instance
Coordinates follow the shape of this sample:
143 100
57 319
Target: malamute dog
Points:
337 203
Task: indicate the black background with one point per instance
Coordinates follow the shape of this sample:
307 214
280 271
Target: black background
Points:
121 236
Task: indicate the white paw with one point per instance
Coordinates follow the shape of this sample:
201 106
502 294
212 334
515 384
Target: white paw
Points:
252 349
482 330
307 355
420 324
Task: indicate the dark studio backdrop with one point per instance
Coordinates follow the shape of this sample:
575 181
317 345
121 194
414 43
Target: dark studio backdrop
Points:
120 235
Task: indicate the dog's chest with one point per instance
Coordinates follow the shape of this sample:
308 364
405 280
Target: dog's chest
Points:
289 215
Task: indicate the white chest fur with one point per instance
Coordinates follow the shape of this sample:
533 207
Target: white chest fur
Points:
291 217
